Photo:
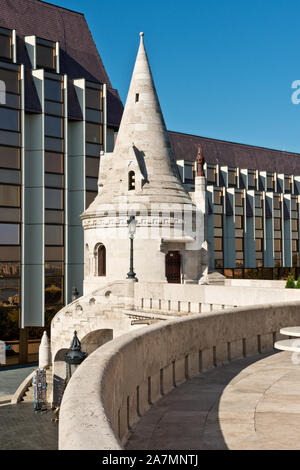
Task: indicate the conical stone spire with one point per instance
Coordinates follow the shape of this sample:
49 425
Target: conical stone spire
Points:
142 147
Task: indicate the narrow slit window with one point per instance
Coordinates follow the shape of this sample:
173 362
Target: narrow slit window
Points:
101 258
137 97
131 181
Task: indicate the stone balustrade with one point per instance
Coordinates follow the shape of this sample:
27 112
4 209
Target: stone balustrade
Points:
119 382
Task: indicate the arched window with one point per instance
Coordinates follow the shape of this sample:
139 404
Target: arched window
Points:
101 260
131 180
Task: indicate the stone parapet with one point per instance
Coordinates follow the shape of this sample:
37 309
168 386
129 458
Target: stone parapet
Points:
120 381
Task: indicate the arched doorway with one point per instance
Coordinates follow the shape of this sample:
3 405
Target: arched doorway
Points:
173 267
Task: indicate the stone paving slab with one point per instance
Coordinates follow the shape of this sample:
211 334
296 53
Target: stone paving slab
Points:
249 404
12 377
21 428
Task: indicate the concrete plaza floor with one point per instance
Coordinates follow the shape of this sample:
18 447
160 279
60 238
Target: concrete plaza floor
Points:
11 377
252 403
21 428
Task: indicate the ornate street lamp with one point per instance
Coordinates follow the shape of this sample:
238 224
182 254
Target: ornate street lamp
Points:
74 356
131 230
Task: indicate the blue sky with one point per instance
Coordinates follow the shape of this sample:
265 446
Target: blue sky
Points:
222 68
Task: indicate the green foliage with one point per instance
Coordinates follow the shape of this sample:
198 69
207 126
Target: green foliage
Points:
298 283
290 283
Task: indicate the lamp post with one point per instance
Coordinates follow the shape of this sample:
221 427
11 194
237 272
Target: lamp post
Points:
131 230
74 356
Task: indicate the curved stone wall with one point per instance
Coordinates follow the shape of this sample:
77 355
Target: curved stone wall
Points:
118 383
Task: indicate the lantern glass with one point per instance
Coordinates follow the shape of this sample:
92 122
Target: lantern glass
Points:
132 226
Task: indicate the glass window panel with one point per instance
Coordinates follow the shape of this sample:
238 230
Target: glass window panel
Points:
54 217
211 175
92 98
277 245
251 179
53 90
53 253
5 47
9 253
294 245
258 200
276 202
53 199
219 263
93 116
93 150
231 176
93 133
92 167
239 221
10 138
9 157
258 244
54 180
54 235
54 162
53 291
218 242
13 101
11 80
53 144
10 215
239 244
54 108
238 199
277 223
218 197
89 198
270 182
9 234
9 195
54 269
10 176
9 292
293 204
10 269
218 220
9 119
53 126
294 225
9 325
92 184
45 56
258 222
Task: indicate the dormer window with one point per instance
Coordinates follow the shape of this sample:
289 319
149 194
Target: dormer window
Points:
5 43
131 181
45 54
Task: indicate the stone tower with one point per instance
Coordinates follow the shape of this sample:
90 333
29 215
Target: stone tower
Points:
140 178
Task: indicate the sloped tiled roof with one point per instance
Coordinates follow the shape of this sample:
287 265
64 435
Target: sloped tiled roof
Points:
185 147
79 57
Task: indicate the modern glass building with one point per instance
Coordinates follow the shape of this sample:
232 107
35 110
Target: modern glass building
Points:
58 111
252 200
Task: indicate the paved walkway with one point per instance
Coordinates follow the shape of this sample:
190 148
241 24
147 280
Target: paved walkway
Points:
11 377
253 403
21 428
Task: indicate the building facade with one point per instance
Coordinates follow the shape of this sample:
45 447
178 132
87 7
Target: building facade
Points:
252 206
58 112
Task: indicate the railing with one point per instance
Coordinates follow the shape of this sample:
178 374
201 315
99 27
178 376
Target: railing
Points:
119 382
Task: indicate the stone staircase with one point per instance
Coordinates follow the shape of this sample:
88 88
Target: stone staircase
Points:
28 396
